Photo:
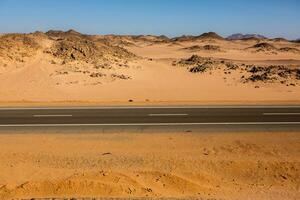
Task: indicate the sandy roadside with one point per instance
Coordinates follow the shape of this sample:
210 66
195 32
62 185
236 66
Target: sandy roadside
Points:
159 165
142 104
154 85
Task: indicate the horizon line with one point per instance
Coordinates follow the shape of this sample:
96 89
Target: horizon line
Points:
157 35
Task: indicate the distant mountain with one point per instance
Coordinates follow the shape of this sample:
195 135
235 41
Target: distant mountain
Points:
204 36
61 33
151 38
211 35
280 40
240 36
184 38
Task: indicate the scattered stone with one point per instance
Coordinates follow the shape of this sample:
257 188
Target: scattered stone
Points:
62 72
211 48
259 77
122 76
97 74
231 66
264 47
298 74
289 50
199 69
203 48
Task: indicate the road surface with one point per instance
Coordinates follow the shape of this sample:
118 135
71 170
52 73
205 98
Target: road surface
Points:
272 116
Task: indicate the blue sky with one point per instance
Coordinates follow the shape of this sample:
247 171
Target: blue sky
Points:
273 18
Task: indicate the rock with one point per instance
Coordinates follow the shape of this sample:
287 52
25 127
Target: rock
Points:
72 46
203 48
255 69
231 66
264 47
240 36
199 69
259 77
97 74
122 76
298 74
211 48
289 50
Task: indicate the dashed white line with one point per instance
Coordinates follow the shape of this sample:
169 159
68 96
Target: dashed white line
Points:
52 115
166 115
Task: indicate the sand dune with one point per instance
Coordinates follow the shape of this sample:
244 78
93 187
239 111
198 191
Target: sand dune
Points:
198 165
72 68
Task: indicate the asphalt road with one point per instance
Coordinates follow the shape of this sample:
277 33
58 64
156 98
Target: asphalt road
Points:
151 116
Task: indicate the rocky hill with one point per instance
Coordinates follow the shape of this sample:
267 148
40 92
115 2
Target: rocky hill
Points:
73 46
18 47
151 38
210 35
283 74
204 36
279 40
62 47
240 36
270 48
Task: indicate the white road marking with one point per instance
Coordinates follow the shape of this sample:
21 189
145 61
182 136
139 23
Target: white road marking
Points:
52 115
281 114
166 115
151 124
142 107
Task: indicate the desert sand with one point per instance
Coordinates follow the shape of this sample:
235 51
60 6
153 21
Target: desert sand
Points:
129 165
71 68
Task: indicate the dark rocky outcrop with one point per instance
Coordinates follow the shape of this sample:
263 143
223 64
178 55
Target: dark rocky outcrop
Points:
203 48
240 36
204 36
289 50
